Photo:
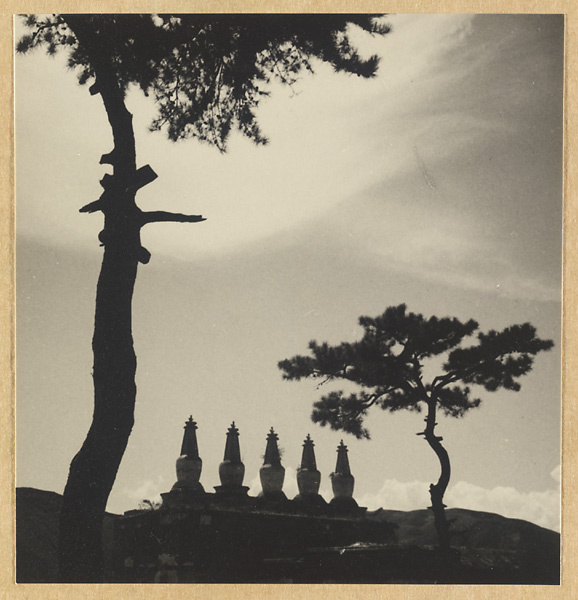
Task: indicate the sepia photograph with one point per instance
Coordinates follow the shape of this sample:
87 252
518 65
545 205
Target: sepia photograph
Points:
288 298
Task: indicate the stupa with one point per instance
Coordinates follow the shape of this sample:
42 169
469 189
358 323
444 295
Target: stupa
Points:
189 466
232 469
308 477
272 473
342 482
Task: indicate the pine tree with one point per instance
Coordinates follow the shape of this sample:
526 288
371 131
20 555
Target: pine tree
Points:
387 363
207 74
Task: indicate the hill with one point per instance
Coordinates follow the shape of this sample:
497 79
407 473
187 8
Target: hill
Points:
523 551
488 548
37 513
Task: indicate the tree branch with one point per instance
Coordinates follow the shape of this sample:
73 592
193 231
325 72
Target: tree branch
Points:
158 216
442 380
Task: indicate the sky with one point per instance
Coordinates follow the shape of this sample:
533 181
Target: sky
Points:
437 183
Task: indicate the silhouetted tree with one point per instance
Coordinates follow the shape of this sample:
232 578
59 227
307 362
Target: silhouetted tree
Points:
207 74
387 363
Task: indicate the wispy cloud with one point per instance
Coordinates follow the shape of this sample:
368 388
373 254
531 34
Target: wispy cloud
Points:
455 261
426 237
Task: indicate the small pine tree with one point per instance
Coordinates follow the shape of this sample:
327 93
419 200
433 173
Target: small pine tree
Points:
387 363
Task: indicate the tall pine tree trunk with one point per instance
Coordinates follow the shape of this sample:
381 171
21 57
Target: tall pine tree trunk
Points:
438 489
93 470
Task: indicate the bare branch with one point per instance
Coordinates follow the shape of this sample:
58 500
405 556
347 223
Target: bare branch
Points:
91 207
158 216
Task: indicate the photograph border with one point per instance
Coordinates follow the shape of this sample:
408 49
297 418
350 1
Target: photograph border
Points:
8 587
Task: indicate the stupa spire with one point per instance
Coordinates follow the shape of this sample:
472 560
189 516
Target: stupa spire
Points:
189 447
272 456
342 466
308 456
232 450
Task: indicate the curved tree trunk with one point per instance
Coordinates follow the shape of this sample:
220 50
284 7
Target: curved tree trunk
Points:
438 489
93 470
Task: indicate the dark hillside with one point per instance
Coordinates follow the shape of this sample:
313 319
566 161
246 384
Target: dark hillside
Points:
37 513
491 548
485 538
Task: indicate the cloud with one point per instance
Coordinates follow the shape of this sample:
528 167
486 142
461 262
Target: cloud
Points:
556 474
541 508
455 262
426 113
468 189
398 495
150 489
322 137
411 230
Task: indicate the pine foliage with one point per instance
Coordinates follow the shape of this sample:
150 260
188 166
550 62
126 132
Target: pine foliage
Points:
387 364
208 73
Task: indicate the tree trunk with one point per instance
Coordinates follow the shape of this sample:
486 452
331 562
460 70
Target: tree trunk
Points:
93 470
438 489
